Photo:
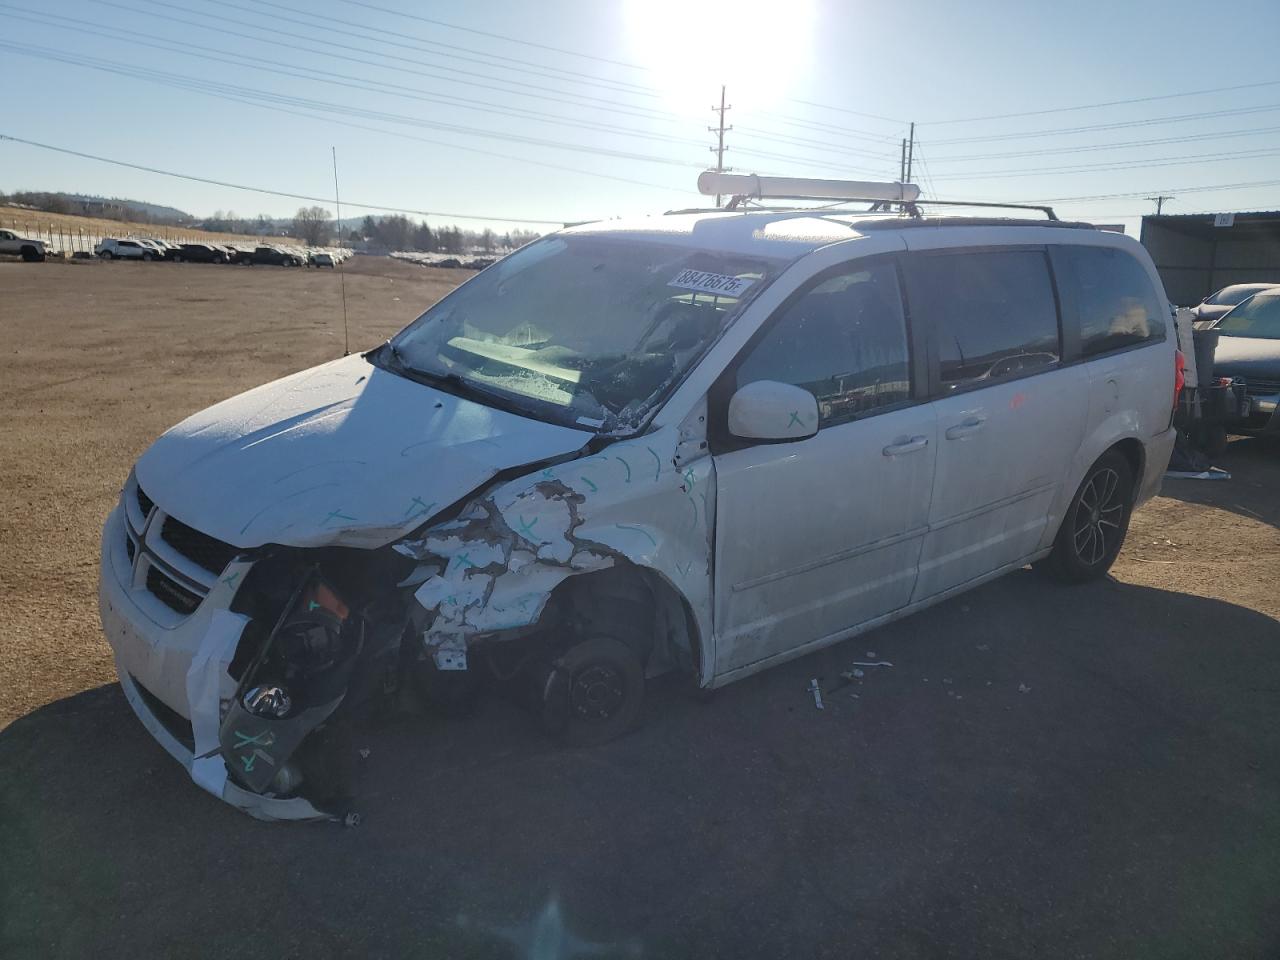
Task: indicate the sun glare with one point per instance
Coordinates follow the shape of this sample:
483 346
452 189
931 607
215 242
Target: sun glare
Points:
756 48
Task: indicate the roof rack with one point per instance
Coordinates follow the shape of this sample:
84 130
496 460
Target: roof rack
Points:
881 195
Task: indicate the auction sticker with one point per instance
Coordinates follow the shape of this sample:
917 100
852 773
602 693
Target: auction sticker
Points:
710 282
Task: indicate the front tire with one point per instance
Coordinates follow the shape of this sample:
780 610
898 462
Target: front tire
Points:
593 693
147 257
1094 526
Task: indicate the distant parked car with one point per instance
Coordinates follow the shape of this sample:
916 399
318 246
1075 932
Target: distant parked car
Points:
1249 348
1218 305
322 258
109 248
276 255
25 247
201 253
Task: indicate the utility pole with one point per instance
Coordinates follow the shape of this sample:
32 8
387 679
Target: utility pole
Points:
911 149
902 163
1159 202
720 131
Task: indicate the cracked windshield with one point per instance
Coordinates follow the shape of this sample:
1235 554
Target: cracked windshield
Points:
584 329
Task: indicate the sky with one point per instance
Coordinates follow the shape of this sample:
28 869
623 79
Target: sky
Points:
567 110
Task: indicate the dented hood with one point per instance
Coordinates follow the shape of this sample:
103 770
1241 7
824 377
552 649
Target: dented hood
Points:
345 453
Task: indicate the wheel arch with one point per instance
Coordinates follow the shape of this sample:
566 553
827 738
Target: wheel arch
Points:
676 639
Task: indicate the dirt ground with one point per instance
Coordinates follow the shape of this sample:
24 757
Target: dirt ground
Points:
101 358
1047 771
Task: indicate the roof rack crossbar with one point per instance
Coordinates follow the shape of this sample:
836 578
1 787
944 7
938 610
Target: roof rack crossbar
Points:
1047 211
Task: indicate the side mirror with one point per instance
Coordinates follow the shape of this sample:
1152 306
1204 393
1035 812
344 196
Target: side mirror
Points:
769 410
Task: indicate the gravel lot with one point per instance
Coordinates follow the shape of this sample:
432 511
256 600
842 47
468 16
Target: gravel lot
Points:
1045 771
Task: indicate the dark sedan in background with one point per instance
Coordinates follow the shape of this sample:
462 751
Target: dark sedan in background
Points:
1217 305
1249 348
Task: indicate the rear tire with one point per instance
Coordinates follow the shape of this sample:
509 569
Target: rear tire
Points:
107 255
147 256
1094 525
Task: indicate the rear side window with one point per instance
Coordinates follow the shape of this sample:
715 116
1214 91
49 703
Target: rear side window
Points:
844 340
1117 304
993 313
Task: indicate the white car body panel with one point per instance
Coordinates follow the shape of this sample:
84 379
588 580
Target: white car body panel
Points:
345 453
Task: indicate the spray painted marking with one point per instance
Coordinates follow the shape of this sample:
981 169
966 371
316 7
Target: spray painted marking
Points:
635 529
336 515
658 460
693 520
248 762
795 420
418 508
685 567
628 466
230 580
312 605
257 739
465 560
593 487
526 527
690 479
548 474
1017 400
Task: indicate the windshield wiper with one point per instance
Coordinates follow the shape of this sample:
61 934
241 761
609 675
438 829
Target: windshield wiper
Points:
393 360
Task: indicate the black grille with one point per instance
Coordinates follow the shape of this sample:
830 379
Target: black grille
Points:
209 553
171 593
129 547
1261 388
145 503
170 719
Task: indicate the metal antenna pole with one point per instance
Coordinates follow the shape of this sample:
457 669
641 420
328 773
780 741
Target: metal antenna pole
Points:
342 276
719 149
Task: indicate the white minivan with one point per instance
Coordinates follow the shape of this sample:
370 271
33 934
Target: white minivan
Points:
705 442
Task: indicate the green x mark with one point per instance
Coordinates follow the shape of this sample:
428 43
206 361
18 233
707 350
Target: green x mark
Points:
795 420
526 527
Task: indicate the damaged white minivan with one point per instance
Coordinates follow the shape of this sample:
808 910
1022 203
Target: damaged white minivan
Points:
704 442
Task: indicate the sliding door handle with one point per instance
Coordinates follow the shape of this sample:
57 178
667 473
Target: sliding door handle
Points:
906 446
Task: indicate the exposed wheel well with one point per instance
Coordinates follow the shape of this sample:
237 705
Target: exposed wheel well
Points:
1133 452
625 589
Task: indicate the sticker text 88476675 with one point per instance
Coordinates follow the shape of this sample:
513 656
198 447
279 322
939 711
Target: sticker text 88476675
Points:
705 282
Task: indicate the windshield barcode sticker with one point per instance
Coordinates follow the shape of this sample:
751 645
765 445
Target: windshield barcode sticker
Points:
710 282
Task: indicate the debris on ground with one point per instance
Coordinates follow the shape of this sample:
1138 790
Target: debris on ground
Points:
1213 473
365 753
984 646
1023 688
817 693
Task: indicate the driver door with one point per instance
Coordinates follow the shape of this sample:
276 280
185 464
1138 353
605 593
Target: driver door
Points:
818 535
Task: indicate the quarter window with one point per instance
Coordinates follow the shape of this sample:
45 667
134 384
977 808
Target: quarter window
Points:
994 314
1118 306
844 340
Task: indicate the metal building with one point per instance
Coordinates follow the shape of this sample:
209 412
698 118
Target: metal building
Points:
1198 253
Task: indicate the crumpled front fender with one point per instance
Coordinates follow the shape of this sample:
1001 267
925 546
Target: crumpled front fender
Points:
643 502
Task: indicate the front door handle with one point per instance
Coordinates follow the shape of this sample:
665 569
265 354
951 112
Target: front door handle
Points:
966 428
906 446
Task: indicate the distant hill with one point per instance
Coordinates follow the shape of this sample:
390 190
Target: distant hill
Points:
110 208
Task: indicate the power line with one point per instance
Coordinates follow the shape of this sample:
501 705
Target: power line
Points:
361 83
1112 126
1107 103
515 87
273 193
1091 148
253 93
1125 165
498 36
407 41
855 113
